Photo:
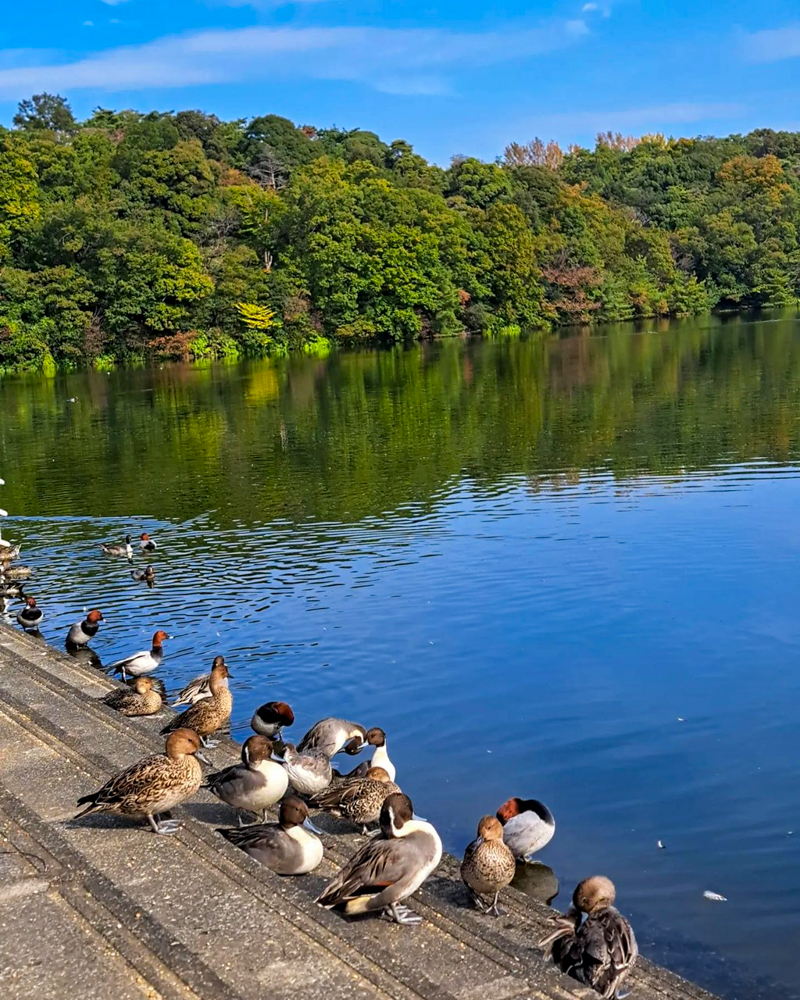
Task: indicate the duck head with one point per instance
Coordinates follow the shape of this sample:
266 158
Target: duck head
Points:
182 743
294 812
378 774
594 893
490 828
255 750
375 737
94 616
396 811
142 685
159 637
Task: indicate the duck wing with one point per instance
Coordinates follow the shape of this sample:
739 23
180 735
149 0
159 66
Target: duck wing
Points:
133 784
130 661
379 864
340 794
195 690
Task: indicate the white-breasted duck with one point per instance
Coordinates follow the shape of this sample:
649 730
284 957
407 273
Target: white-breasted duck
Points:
528 826
334 735
146 543
601 950
309 771
359 800
271 718
146 575
255 784
389 868
141 698
288 847
112 549
82 633
143 662
488 865
153 785
207 716
30 617
376 738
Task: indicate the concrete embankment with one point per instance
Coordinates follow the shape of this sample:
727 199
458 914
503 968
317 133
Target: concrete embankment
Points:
101 907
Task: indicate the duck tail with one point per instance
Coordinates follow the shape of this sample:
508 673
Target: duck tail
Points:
358 905
93 805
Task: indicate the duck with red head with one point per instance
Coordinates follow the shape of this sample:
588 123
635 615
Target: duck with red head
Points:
143 662
81 633
601 950
389 868
30 617
528 826
146 543
269 719
207 716
153 785
288 847
254 785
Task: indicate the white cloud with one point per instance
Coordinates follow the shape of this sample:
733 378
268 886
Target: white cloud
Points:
772 45
88 24
114 3
397 61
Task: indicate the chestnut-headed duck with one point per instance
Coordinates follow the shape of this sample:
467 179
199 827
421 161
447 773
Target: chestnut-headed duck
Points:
528 826
81 633
30 617
271 718
146 543
143 662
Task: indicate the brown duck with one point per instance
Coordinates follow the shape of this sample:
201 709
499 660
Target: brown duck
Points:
600 951
359 800
141 698
153 785
488 865
207 716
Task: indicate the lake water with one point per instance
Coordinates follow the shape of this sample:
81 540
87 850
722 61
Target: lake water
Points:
562 568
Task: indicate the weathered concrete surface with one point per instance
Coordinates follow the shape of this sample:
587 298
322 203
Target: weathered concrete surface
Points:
102 907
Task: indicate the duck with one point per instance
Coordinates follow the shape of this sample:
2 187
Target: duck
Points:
269 719
528 826
334 735
143 662
153 785
8 553
15 573
82 633
141 698
488 865
126 549
359 800
210 714
195 691
148 574
376 737
601 950
389 868
309 771
30 617
146 543
288 847
10 588
255 784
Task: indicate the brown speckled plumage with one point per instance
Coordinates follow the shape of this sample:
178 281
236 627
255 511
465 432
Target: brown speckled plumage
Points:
359 800
601 951
207 716
139 699
488 865
152 785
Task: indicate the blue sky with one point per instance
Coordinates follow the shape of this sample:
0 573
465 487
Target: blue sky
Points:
451 76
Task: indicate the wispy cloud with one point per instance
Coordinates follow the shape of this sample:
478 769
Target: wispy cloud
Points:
398 61
772 44
114 3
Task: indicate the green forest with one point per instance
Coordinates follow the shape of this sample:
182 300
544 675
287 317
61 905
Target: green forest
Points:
132 236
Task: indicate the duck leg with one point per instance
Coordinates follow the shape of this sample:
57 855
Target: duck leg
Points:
477 899
402 914
163 825
494 910
209 744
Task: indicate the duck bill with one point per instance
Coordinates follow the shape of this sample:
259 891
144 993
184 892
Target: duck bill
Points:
419 819
201 756
310 826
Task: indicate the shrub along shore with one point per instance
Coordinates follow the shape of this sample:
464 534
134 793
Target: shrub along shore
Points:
131 236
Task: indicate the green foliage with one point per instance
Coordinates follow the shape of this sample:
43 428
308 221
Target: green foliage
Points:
181 235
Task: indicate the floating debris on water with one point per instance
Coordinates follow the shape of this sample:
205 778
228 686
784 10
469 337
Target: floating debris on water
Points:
660 845
715 896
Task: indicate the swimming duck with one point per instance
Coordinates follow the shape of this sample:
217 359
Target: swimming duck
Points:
83 632
488 864
255 784
528 826
601 951
390 868
143 662
147 574
154 784
210 714
17 572
309 770
11 588
141 698
287 847
146 543
270 719
125 549
8 553
30 617
359 800
331 735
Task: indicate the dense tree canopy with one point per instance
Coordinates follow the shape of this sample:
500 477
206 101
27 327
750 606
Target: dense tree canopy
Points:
181 235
